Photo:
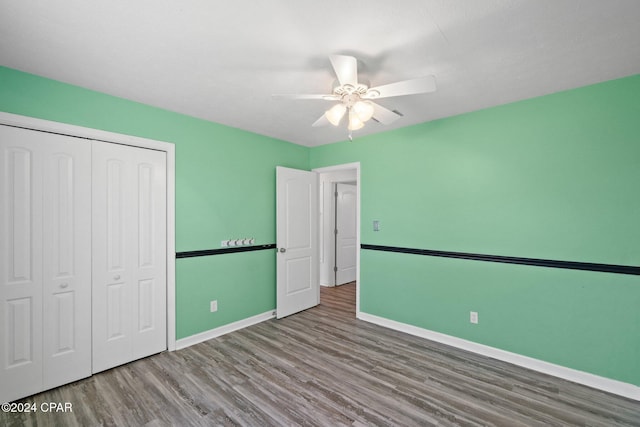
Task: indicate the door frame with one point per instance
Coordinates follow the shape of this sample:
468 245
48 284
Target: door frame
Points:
90 134
338 168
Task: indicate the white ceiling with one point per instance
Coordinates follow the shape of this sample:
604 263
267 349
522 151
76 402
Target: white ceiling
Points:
222 60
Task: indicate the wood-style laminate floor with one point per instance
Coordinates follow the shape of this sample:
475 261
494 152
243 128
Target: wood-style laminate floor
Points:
323 367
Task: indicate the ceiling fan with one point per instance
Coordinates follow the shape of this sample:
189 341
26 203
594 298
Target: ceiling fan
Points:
355 100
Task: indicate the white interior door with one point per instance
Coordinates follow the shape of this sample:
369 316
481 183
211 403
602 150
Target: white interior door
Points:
346 233
297 241
45 276
129 248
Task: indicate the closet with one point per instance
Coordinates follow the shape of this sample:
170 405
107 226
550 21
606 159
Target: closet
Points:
82 258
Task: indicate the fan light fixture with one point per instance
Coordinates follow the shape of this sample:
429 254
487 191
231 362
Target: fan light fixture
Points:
364 110
359 112
335 114
355 97
355 122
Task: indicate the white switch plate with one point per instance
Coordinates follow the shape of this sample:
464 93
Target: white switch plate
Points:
473 317
214 306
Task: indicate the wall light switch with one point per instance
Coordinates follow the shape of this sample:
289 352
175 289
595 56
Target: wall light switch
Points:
213 306
376 225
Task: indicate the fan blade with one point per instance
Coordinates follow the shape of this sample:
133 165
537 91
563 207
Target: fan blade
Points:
307 96
405 87
346 68
383 115
322 121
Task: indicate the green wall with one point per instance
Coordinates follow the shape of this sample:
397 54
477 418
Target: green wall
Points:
554 177
225 184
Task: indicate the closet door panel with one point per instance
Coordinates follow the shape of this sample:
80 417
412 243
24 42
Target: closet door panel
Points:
67 260
129 269
112 178
151 269
20 264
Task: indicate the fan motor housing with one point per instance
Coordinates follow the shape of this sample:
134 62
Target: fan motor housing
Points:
350 94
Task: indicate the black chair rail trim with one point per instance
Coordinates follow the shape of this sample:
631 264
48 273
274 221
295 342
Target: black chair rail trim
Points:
571 265
222 251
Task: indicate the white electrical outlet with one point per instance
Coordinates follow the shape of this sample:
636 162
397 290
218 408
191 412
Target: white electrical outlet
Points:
473 317
214 306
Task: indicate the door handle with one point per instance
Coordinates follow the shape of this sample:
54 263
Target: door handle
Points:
116 277
282 250
64 285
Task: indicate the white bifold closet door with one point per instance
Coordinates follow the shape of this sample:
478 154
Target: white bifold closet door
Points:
129 254
45 261
82 258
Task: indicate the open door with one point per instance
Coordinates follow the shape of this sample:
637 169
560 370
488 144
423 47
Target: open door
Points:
297 241
345 233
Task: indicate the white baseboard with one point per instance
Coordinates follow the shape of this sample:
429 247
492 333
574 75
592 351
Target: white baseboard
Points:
214 333
601 383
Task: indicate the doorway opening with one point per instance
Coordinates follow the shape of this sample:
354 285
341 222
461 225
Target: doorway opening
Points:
339 230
